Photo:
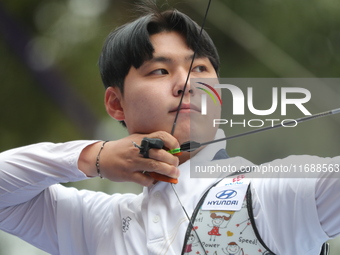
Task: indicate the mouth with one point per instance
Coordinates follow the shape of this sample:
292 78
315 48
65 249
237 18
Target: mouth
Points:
186 108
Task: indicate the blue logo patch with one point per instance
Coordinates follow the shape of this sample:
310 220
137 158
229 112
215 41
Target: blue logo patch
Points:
226 194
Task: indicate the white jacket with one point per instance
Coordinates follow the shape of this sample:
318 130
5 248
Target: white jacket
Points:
293 216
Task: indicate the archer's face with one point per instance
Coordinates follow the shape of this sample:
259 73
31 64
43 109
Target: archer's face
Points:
152 92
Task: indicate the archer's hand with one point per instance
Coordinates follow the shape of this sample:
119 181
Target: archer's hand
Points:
120 160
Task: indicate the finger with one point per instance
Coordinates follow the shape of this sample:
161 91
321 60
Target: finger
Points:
152 165
142 179
162 168
164 156
169 141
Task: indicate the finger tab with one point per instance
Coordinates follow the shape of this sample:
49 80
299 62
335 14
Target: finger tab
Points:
163 178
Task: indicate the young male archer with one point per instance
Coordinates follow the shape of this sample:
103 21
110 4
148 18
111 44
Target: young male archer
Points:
144 65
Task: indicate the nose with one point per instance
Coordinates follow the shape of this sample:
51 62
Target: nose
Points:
180 91
182 84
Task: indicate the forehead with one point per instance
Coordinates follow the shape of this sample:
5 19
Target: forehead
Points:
168 38
170 42
170 47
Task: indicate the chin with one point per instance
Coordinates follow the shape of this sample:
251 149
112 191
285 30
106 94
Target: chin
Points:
183 139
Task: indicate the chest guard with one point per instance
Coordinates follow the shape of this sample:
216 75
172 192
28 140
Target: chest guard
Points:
220 229
216 231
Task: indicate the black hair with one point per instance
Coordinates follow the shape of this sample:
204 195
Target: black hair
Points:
129 45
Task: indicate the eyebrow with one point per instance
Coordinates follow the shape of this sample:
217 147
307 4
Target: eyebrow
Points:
167 60
163 59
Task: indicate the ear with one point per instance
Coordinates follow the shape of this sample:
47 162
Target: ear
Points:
113 104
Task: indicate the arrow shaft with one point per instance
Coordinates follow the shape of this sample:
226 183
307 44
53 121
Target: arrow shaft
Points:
300 120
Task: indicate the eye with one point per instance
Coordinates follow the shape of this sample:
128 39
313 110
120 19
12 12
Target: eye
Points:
199 69
160 72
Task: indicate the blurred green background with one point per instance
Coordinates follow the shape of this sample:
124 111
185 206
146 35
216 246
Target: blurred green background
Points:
51 89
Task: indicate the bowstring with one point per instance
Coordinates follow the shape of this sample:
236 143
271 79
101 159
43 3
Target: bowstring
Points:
191 64
177 113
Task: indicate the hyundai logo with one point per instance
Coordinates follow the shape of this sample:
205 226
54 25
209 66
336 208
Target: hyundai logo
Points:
226 194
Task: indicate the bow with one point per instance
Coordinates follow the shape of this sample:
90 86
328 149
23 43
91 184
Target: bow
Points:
193 145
